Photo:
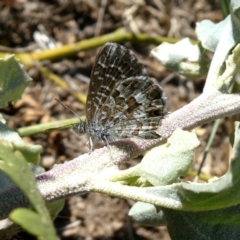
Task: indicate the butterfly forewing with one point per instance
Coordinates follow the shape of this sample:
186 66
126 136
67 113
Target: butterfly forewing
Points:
113 64
122 100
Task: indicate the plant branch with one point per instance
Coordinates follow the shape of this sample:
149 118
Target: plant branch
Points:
119 36
205 108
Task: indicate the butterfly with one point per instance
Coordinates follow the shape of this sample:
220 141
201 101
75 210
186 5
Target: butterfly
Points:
122 100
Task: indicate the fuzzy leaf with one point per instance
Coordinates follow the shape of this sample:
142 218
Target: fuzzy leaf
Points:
182 57
147 214
165 164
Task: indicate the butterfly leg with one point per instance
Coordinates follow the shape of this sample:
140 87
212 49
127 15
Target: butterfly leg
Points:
106 141
108 146
90 144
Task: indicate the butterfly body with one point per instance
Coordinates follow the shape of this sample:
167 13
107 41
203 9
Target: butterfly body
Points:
96 133
122 100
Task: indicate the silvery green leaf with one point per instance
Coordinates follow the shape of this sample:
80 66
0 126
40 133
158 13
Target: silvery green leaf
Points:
182 57
209 33
164 164
147 214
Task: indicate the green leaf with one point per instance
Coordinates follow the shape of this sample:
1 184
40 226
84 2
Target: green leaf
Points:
184 196
190 196
218 224
220 192
33 222
13 80
30 152
214 206
147 214
55 207
165 164
209 33
15 166
182 57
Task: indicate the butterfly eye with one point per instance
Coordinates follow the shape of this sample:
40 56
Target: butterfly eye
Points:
79 128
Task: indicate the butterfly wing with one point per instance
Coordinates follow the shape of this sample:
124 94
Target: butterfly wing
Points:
122 100
113 64
134 108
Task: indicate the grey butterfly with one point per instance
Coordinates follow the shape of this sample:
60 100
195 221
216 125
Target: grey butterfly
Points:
122 100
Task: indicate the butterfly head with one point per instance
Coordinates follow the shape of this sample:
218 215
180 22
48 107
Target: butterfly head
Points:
80 128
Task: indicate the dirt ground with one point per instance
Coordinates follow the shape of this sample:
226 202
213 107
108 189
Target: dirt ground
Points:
96 216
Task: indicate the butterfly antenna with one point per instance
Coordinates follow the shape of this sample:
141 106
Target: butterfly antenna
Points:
67 108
